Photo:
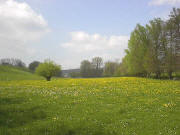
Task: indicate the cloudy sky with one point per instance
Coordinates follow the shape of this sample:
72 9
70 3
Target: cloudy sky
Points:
69 31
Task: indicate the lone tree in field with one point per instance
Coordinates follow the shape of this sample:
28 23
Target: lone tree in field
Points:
48 69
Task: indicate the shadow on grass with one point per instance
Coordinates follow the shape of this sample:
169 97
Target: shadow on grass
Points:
14 112
64 129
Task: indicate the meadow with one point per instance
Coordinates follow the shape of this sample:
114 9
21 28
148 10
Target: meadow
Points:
104 106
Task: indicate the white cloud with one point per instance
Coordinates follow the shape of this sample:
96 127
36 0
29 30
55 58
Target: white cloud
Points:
85 46
82 42
164 15
19 25
163 2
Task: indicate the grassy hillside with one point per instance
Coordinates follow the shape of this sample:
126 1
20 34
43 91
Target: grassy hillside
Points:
106 106
12 73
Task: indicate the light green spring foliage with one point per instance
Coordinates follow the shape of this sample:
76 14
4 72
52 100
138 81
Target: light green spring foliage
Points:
48 69
106 106
136 50
154 48
110 68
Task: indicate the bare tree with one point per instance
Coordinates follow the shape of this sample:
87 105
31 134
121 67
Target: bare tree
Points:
97 63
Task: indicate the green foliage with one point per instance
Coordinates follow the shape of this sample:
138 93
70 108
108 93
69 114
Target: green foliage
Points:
110 68
92 69
174 40
48 69
85 68
122 69
105 106
8 73
154 49
33 65
155 54
97 63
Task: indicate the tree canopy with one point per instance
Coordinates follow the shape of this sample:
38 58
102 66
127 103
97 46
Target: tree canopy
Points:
155 48
48 69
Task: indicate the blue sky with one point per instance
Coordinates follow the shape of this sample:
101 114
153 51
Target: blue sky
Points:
103 16
69 31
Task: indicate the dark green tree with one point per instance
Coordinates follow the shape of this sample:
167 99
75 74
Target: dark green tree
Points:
154 58
97 63
33 65
175 22
86 69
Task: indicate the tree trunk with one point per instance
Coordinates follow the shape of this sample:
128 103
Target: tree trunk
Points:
170 74
48 78
158 74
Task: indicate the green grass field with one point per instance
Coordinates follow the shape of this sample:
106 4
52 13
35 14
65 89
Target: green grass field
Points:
107 106
13 73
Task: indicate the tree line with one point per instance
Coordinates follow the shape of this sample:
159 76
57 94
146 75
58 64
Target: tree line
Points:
12 62
154 49
96 68
92 68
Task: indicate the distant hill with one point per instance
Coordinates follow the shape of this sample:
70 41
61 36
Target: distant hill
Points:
14 73
66 73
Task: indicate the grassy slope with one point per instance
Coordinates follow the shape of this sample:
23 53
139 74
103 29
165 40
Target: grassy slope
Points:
11 73
107 106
